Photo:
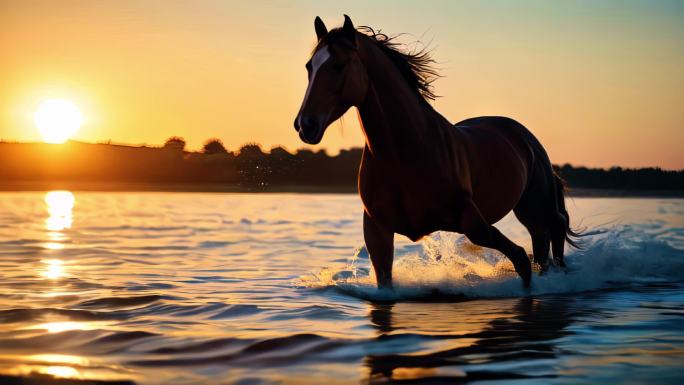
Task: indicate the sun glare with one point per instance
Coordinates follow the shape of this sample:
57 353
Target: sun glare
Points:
57 120
60 205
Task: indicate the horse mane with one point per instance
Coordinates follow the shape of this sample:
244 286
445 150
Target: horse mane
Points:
415 66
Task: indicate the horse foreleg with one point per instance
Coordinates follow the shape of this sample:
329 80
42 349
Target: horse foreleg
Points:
481 233
380 246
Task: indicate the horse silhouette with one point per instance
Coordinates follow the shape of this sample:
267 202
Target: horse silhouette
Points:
419 173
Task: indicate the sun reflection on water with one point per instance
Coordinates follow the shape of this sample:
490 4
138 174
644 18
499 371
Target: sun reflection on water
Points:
60 205
59 359
62 372
54 268
62 326
53 245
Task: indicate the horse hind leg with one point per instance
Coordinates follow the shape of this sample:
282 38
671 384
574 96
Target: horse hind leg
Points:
541 242
558 235
481 233
560 230
536 223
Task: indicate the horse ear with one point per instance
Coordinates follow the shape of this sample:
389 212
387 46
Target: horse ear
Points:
348 29
321 30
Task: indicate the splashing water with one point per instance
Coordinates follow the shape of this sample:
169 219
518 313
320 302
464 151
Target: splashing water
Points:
451 267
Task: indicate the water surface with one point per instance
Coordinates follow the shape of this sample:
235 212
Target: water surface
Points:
189 288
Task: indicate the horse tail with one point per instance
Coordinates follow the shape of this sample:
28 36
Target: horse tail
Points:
571 236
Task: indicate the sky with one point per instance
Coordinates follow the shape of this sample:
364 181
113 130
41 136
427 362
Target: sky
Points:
600 83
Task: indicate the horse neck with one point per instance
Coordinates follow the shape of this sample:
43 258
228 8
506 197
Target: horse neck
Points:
395 120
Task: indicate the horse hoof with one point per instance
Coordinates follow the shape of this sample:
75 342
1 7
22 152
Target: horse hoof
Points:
526 276
385 285
526 284
543 269
560 263
523 267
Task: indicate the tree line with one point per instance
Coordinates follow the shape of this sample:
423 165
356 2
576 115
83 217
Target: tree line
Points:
250 168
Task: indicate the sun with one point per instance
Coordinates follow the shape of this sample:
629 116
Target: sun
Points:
57 120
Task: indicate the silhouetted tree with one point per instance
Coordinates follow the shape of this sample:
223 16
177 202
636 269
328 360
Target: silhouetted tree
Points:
214 146
254 167
251 150
280 153
284 166
622 178
175 143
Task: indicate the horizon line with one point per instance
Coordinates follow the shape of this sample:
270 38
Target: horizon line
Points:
315 151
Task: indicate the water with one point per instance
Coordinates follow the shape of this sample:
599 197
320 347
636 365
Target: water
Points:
158 288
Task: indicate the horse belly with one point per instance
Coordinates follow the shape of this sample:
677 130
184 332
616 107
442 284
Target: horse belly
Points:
410 209
498 184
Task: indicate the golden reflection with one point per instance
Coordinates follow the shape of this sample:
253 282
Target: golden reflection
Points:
59 366
413 373
54 268
62 372
60 205
59 359
53 246
62 326
55 371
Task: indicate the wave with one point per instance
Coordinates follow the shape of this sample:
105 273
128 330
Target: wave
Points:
450 267
278 351
19 315
120 302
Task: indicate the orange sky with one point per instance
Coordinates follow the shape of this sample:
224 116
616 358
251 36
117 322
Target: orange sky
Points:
600 83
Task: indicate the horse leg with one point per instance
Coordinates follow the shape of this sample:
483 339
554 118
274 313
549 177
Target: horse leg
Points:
529 215
541 242
380 246
481 233
558 234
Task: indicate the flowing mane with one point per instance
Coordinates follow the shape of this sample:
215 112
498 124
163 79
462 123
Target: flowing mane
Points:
415 66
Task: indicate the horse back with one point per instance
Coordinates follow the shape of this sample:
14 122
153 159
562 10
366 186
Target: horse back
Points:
499 154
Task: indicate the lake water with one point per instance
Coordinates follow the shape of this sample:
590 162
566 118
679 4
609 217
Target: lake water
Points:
190 288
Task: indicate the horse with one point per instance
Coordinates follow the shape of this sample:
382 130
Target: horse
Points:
420 173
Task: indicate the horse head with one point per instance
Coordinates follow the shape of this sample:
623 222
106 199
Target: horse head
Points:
337 80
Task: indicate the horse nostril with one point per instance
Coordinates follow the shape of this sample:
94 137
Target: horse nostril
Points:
307 122
309 129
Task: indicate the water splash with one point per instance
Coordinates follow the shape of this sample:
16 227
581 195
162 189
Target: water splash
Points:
450 267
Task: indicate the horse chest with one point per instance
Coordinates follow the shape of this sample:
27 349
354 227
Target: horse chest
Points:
408 208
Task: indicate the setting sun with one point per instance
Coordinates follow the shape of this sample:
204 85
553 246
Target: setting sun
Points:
57 120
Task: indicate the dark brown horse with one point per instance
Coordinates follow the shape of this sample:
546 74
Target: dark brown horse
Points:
419 173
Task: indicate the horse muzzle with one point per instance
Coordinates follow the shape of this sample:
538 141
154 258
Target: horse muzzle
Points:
310 129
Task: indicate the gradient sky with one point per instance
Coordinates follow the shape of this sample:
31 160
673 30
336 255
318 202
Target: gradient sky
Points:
601 83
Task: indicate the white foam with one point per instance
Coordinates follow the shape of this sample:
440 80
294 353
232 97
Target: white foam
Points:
449 265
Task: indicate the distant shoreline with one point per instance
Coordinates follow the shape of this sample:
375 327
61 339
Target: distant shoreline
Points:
106 167
27 186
